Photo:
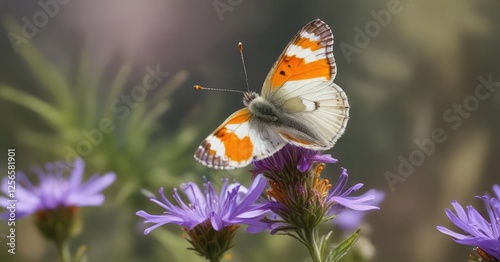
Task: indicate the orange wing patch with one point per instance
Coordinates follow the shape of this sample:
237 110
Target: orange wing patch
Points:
239 117
294 68
307 43
230 145
237 149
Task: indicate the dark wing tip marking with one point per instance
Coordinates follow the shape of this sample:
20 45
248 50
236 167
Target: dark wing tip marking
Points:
324 31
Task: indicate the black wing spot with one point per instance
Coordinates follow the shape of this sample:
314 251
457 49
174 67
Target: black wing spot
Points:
289 66
316 105
282 73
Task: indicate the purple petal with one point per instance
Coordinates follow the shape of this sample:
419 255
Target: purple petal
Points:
324 159
349 219
360 204
453 234
97 184
496 190
76 175
193 193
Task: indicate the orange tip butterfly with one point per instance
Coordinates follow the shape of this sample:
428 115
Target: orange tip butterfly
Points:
299 104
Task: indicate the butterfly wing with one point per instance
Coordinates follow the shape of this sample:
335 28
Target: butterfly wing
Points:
238 141
300 85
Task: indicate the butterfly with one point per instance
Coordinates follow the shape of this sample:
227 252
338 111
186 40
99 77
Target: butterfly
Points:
299 104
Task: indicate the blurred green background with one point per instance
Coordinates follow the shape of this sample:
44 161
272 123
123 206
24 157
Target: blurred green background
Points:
67 66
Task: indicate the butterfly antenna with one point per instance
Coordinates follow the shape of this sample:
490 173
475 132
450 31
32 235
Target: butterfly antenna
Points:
240 47
198 87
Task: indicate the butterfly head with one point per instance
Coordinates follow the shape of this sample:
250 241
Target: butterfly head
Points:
248 97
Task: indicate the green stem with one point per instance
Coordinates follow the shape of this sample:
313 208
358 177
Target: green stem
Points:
312 246
63 251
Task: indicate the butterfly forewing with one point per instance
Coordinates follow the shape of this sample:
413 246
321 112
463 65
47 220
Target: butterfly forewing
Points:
308 57
237 142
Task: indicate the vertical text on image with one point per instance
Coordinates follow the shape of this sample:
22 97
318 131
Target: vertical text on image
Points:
11 199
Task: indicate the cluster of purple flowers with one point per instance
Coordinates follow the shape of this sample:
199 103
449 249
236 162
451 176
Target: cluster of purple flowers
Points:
296 198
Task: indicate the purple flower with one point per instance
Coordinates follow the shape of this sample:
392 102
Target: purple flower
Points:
298 197
479 231
232 206
54 189
291 156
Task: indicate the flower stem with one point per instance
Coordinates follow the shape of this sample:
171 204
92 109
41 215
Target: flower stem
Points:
312 245
214 259
63 250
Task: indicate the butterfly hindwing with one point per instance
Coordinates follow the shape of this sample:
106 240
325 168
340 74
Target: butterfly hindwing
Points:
322 108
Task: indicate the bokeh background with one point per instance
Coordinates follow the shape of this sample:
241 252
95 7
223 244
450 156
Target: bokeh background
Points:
63 74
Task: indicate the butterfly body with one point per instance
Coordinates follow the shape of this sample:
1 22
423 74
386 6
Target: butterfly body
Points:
299 104
263 110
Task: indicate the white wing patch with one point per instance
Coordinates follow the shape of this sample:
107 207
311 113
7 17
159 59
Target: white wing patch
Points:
310 36
306 53
309 105
298 88
267 140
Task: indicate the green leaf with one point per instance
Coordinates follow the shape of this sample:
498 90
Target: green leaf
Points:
323 243
41 141
135 144
173 243
117 86
48 112
48 75
150 120
343 247
168 88
87 83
